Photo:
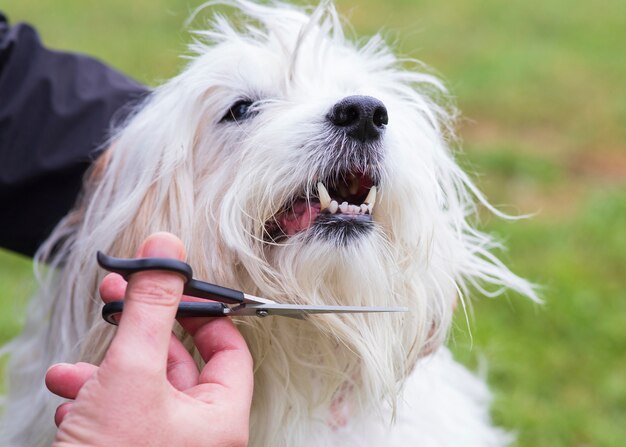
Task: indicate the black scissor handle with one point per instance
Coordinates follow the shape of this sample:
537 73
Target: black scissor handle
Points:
127 267
185 309
193 287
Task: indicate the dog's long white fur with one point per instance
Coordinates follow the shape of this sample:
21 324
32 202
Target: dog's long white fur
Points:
174 166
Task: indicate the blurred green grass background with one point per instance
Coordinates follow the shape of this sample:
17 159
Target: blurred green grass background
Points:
542 87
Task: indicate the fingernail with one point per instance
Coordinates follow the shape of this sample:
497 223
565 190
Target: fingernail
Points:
54 366
162 245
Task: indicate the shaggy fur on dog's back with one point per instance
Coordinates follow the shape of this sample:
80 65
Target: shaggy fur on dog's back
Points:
182 164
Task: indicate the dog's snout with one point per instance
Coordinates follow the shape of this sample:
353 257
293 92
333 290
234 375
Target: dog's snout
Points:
361 117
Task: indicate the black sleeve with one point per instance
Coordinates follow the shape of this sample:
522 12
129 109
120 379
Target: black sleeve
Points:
56 110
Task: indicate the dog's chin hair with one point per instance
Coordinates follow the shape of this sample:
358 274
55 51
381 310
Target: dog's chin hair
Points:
338 232
174 168
314 363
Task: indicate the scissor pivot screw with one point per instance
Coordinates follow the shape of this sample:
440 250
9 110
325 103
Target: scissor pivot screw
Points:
262 313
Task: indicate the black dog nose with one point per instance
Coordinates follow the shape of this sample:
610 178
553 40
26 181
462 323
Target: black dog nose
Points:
362 117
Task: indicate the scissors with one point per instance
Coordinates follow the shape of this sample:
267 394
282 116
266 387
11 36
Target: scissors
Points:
225 302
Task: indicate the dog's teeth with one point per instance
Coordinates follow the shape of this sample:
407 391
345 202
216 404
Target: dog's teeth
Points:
370 208
371 197
364 209
334 206
355 209
344 207
323 196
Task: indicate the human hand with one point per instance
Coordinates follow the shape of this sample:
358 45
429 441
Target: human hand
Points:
147 390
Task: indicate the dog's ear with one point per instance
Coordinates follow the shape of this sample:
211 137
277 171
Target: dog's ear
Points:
143 182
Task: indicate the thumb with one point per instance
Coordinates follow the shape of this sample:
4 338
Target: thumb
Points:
150 305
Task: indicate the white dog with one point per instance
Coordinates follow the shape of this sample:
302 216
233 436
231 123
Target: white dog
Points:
297 165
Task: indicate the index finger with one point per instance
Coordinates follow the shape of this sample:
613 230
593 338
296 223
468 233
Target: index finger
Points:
150 305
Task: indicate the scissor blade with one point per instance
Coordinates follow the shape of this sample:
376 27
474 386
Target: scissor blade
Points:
298 310
251 299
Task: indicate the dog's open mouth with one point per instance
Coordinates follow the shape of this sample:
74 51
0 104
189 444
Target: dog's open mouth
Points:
342 204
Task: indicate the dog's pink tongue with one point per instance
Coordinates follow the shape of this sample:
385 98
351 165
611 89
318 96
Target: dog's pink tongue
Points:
299 218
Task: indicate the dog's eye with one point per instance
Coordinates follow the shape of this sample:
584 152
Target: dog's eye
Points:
239 111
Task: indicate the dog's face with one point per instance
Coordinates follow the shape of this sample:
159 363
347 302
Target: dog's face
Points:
314 155
310 145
